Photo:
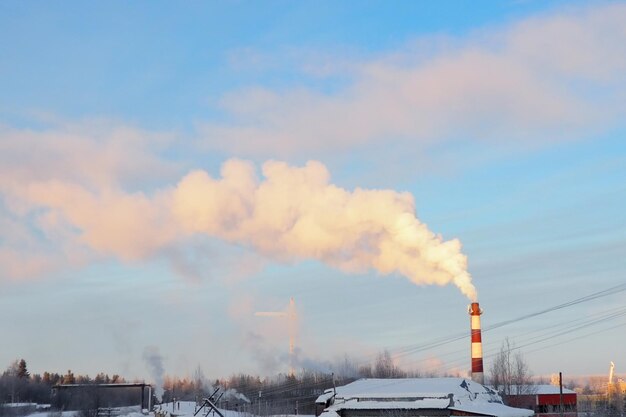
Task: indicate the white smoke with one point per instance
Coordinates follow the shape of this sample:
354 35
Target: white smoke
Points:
154 363
292 213
232 394
229 394
295 213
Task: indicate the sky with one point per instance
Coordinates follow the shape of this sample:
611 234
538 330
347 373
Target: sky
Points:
168 169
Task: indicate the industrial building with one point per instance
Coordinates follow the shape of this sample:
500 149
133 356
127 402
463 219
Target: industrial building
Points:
94 396
414 397
545 401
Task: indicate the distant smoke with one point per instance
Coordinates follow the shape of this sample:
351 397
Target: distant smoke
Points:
154 362
232 394
293 213
301 361
269 359
225 394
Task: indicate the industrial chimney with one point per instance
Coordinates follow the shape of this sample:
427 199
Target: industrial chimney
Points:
477 344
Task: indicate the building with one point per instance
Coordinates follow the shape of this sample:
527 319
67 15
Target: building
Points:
545 401
414 397
93 396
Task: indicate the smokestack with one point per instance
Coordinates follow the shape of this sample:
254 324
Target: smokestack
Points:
477 344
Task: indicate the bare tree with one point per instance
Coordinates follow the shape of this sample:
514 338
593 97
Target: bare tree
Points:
385 368
510 373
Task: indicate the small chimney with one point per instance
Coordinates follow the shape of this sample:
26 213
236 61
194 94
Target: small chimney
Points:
477 344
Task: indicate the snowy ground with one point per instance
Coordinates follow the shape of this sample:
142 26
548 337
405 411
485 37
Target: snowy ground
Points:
181 408
123 411
187 408
54 414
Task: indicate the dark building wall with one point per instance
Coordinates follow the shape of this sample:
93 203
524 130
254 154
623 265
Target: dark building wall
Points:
394 413
93 397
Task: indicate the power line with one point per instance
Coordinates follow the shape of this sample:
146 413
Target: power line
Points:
407 350
596 295
572 326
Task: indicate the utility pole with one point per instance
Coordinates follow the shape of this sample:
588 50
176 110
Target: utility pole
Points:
561 392
259 402
609 387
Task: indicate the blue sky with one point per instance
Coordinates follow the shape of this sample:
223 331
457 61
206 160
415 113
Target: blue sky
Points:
503 120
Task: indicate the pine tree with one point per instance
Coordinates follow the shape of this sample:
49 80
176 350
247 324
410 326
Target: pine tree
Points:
69 378
22 371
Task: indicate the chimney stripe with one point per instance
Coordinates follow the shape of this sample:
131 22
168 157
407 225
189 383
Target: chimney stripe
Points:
476 337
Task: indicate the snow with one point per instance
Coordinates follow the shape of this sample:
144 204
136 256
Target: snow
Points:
420 393
187 408
55 413
543 389
416 388
325 396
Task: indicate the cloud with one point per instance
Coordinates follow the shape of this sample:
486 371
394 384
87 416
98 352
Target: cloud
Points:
129 225
66 165
18 265
77 191
92 153
540 80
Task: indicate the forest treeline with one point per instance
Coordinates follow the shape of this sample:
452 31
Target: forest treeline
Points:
17 385
280 394
283 393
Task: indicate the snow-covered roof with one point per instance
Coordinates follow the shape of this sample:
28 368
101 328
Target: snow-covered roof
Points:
415 388
325 396
420 393
541 389
552 389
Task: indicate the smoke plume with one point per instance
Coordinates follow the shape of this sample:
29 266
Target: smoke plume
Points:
154 363
295 213
290 214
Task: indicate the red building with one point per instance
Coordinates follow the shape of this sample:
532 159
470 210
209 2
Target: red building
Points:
545 401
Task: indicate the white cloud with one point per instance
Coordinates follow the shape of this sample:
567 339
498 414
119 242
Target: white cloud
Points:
68 165
551 78
94 153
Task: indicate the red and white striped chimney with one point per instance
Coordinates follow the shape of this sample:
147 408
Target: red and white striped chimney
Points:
477 344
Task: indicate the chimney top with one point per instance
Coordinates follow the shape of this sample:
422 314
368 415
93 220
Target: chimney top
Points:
474 310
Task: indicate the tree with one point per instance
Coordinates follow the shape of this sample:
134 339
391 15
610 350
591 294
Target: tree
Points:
509 373
22 371
69 378
365 371
385 368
